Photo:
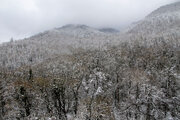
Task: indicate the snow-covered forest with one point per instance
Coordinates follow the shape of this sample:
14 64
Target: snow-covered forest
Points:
80 73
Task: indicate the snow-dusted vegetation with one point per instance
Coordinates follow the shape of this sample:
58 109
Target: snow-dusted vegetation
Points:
80 73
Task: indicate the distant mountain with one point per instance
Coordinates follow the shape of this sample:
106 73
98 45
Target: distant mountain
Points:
78 30
109 30
163 21
51 43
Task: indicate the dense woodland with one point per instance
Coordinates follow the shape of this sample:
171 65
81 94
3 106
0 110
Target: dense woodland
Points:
125 82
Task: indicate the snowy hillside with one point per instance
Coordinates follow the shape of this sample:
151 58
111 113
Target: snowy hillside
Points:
163 21
51 43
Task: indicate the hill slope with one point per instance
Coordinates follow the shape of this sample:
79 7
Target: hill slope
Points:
163 21
54 42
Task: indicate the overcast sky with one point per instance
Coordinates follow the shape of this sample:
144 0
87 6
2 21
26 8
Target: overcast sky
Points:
22 18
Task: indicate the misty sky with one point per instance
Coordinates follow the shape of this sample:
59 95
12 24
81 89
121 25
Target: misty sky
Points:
22 18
